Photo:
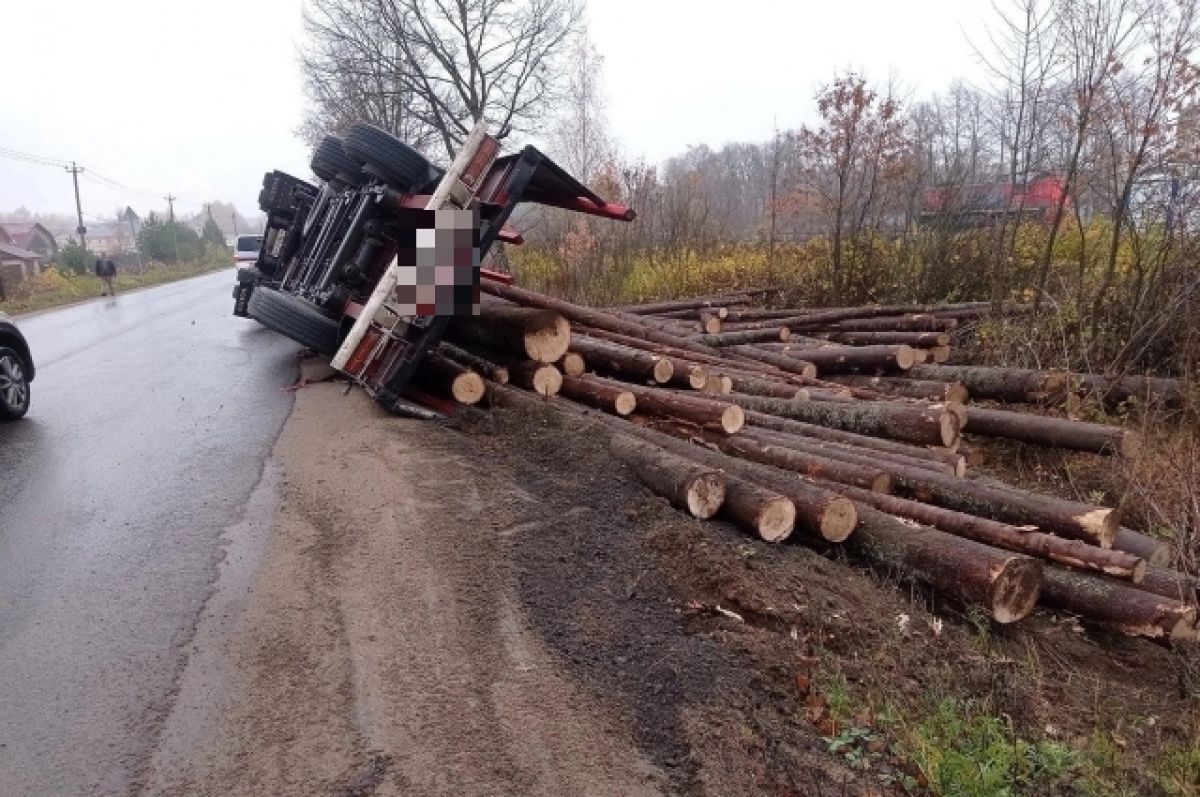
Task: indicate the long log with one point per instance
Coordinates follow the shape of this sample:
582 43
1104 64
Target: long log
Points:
1160 391
817 432
1006 584
1054 432
755 385
443 376
1172 584
1155 552
905 323
925 340
1013 385
541 335
792 365
589 317
694 303
925 389
820 513
480 365
545 380
601 395
1073 553
688 485
846 453
746 336
1078 521
1115 605
835 359
622 361
709 413
811 465
910 423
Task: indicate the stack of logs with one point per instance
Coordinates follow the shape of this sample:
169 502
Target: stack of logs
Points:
835 427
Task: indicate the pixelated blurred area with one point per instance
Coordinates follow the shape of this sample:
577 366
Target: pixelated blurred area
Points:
438 259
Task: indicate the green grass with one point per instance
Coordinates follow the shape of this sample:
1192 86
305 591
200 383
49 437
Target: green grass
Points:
54 288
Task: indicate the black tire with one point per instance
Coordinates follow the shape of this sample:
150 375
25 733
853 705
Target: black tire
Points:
387 157
14 385
297 319
330 161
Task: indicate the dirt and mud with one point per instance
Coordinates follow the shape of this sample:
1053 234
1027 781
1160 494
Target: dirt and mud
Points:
493 607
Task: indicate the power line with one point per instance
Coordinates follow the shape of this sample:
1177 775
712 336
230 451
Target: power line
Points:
29 157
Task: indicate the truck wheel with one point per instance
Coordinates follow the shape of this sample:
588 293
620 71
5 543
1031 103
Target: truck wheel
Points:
330 161
387 157
297 319
14 385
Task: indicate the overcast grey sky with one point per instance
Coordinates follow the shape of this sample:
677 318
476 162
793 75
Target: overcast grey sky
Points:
199 99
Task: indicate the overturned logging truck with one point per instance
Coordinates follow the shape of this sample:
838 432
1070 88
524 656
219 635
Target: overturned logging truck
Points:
841 428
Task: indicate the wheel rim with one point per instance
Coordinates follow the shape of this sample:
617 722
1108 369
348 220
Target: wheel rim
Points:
13 389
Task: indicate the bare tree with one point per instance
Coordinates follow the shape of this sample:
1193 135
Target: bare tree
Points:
427 70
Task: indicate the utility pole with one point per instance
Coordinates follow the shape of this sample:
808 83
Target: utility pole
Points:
81 231
171 216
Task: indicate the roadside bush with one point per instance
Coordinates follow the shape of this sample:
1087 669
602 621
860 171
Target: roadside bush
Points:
75 258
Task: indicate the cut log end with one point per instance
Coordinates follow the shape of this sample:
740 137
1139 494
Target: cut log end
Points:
838 520
777 520
663 371
697 377
705 494
624 403
468 388
1015 589
711 325
960 466
500 375
809 371
940 354
957 392
547 381
906 357
882 483
948 429
1139 572
547 337
573 364
785 334
1103 523
733 419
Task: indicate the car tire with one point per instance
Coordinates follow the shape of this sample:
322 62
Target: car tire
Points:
330 161
295 318
387 157
14 385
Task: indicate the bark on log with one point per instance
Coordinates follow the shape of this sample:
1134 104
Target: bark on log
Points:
910 423
792 365
480 365
1172 584
545 380
622 361
811 465
540 335
820 513
1014 385
708 413
1073 553
937 454
1054 432
589 317
1093 524
905 323
1115 605
1155 552
747 336
836 359
1153 391
698 489
444 377
601 395
750 384
924 389
925 340
572 363
846 453
686 374
1006 584
694 303
764 513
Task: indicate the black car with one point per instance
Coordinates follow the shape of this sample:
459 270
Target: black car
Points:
16 371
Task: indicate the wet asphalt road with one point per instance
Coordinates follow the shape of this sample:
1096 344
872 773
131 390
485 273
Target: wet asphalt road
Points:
151 419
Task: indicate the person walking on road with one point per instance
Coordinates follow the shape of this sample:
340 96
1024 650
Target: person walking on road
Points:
106 270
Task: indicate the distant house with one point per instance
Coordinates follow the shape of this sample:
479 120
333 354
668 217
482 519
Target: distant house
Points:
31 236
112 237
17 264
976 204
